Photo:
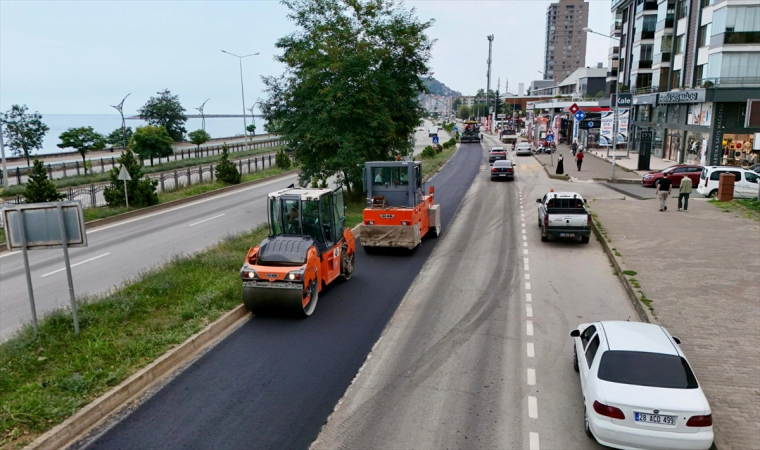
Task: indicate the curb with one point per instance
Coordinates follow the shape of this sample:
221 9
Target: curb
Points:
553 176
751 211
624 169
618 180
96 412
617 189
642 312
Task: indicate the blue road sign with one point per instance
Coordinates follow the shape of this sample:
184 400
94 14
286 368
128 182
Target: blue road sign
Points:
580 115
549 138
455 128
435 139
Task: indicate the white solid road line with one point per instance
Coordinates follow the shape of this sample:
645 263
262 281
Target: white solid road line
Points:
531 377
77 264
534 441
9 254
532 407
531 350
529 327
206 220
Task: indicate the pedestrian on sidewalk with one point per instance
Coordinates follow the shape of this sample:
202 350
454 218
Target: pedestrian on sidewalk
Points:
664 186
684 189
575 147
579 160
560 165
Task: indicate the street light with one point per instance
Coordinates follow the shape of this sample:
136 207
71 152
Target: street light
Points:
617 96
242 91
203 116
253 117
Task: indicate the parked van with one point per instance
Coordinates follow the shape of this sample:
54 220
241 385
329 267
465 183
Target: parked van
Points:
745 181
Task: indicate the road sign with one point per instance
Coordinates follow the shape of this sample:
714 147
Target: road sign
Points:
550 132
549 137
455 128
435 139
125 176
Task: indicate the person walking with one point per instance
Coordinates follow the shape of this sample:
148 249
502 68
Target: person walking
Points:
575 147
664 186
579 160
684 189
560 165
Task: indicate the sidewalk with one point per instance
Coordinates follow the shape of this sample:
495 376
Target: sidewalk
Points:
700 269
632 162
593 168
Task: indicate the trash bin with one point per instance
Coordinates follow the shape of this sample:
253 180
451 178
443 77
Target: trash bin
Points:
726 187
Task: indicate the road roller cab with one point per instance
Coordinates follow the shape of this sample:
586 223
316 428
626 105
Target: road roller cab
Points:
398 213
308 247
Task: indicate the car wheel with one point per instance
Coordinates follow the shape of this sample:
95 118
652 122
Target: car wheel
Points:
544 237
575 359
713 193
586 427
585 239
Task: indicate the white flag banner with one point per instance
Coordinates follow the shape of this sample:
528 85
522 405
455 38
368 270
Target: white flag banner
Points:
605 130
623 126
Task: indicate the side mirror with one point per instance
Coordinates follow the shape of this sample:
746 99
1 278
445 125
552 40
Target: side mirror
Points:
585 202
575 333
678 341
538 200
432 190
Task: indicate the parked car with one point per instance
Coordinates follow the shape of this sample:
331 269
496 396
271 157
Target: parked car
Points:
755 168
503 170
563 214
745 183
496 154
674 174
639 391
523 149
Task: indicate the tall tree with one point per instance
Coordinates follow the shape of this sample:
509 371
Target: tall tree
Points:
23 131
464 112
83 140
166 111
39 188
456 104
117 138
354 70
149 142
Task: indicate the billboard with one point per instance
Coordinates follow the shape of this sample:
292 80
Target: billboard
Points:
605 133
41 227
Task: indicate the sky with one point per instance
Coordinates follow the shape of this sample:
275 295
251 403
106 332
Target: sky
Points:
80 57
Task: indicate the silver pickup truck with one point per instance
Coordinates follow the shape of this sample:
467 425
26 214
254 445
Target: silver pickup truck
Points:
563 214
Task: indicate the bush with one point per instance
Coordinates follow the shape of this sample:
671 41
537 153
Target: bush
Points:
142 191
428 152
39 188
452 141
282 160
226 171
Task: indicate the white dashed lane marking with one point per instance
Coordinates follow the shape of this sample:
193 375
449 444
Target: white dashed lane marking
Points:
531 377
529 327
531 350
532 407
534 441
529 311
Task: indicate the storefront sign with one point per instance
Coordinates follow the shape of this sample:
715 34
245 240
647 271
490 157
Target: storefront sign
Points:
668 98
646 136
717 142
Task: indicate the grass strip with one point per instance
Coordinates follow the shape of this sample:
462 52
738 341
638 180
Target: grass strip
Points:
46 379
748 203
84 180
2 235
743 206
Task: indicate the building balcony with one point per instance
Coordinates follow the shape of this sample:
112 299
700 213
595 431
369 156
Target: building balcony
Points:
643 35
614 51
612 72
646 6
617 26
663 24
643 64
729 82
661 58
736 37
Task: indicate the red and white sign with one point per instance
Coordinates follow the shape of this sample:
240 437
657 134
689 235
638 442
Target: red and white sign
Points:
574 108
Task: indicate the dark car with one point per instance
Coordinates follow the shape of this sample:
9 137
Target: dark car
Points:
502 170
674 173
497 153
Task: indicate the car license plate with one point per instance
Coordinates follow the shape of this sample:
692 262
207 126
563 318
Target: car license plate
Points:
655 418
502 174
567 235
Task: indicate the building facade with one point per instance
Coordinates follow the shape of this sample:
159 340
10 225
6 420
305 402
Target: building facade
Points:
565 43
694 69
582 83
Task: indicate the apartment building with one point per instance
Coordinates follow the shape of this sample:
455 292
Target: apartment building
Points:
565 43
694 69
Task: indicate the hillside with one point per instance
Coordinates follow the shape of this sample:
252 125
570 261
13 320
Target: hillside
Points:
437 88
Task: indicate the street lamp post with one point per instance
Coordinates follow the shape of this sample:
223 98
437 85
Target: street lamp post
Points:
120 108
203 116
616 113
242 90
2 154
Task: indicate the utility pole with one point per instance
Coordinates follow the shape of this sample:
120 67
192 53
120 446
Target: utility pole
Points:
488 74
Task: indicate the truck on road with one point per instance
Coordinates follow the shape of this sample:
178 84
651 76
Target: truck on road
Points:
564 215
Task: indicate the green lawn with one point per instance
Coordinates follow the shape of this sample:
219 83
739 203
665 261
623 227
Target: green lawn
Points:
752 204
45 379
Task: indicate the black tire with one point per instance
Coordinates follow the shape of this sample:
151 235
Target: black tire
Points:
713 193
539 222
585 239
586 428
544 237
346 262
575 359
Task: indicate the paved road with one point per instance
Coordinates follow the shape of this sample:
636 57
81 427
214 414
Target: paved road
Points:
120 251
478 355
273 382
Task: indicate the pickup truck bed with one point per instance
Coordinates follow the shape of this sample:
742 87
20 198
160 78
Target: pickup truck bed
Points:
564 217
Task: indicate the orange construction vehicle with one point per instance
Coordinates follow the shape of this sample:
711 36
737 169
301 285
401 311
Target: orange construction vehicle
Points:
308 247
398 212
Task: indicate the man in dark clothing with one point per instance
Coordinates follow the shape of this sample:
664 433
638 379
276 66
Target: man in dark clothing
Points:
575 147
579 160
664 186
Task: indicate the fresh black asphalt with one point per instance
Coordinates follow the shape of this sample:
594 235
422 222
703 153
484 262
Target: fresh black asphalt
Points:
274 381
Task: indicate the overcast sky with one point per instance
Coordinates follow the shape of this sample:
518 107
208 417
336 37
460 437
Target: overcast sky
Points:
69 57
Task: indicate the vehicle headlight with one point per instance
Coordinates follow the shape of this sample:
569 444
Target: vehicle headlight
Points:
296 275
248 274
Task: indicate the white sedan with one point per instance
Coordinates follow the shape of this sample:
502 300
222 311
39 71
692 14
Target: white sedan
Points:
523 148
638 389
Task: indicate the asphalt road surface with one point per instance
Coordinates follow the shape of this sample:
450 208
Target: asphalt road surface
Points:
273 382
120 251
479 353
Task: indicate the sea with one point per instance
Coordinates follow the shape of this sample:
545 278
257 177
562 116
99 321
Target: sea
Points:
217 127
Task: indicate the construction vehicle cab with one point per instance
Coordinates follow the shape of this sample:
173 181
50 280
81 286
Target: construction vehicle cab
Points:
398 213
308 247
471 132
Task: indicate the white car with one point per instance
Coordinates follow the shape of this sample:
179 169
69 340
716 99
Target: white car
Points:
523 148
638 389
745 181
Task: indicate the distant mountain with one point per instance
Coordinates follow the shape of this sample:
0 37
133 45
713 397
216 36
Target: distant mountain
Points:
437 88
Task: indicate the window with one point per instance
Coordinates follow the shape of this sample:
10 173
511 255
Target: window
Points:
751 177
680 42
715 176
676 79
704 35
587 334
647 369
683 9
593 346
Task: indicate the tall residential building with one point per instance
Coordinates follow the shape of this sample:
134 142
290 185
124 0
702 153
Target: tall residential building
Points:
694 69
565 46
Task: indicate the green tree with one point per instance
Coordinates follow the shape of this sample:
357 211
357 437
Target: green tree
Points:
119 139
150 142
142 191
226 170
39 188
83 140
166 111
456 104
23 131
251 129
464 112
199 137
282 160
354 71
